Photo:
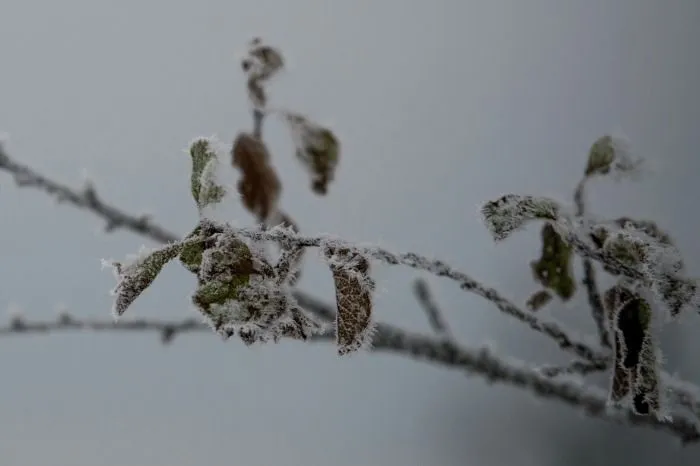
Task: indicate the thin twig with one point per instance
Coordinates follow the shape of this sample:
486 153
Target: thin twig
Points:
589 278
425 298
88 200
576 367
474 360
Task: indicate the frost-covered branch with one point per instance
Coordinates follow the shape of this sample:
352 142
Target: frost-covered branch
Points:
87 199
285 236
242 291
480 361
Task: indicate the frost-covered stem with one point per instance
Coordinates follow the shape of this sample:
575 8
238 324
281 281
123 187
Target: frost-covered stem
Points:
425 298
473 360
589 277
87 199
576 367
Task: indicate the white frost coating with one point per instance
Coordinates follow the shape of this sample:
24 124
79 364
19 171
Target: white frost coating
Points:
349 265
511 212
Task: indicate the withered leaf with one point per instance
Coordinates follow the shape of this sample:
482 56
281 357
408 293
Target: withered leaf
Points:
134 278
317 148
635 365
353 290
259 186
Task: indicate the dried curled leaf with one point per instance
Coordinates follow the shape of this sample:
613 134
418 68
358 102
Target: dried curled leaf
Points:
511 212
259 186
538 300
260 65
611 154
317 148
554 270
353 290
205 190
135 277
263 61
636 357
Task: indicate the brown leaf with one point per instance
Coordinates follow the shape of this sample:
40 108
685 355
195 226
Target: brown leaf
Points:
353 289
259 186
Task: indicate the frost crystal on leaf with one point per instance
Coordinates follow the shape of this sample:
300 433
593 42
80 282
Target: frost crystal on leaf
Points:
511 212
205 190
239 292
637 360
353 290
135 277
317 148
647 248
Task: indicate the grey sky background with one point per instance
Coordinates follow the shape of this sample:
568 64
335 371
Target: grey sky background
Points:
439 105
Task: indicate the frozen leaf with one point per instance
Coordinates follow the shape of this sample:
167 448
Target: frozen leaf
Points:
191 254
259 186
610 154
637 361
648 227
538 300
647 390
353 290
676 293
554 270
205 190
317 148
510 213
134 278
225 270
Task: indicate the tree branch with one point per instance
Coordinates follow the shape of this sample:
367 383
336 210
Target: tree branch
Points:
474 360
388 338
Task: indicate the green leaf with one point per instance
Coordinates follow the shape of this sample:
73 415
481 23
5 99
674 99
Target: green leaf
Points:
191 254
224 271
205 190
554 270
134 278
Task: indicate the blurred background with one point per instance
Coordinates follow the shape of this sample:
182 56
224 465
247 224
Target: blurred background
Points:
439 106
